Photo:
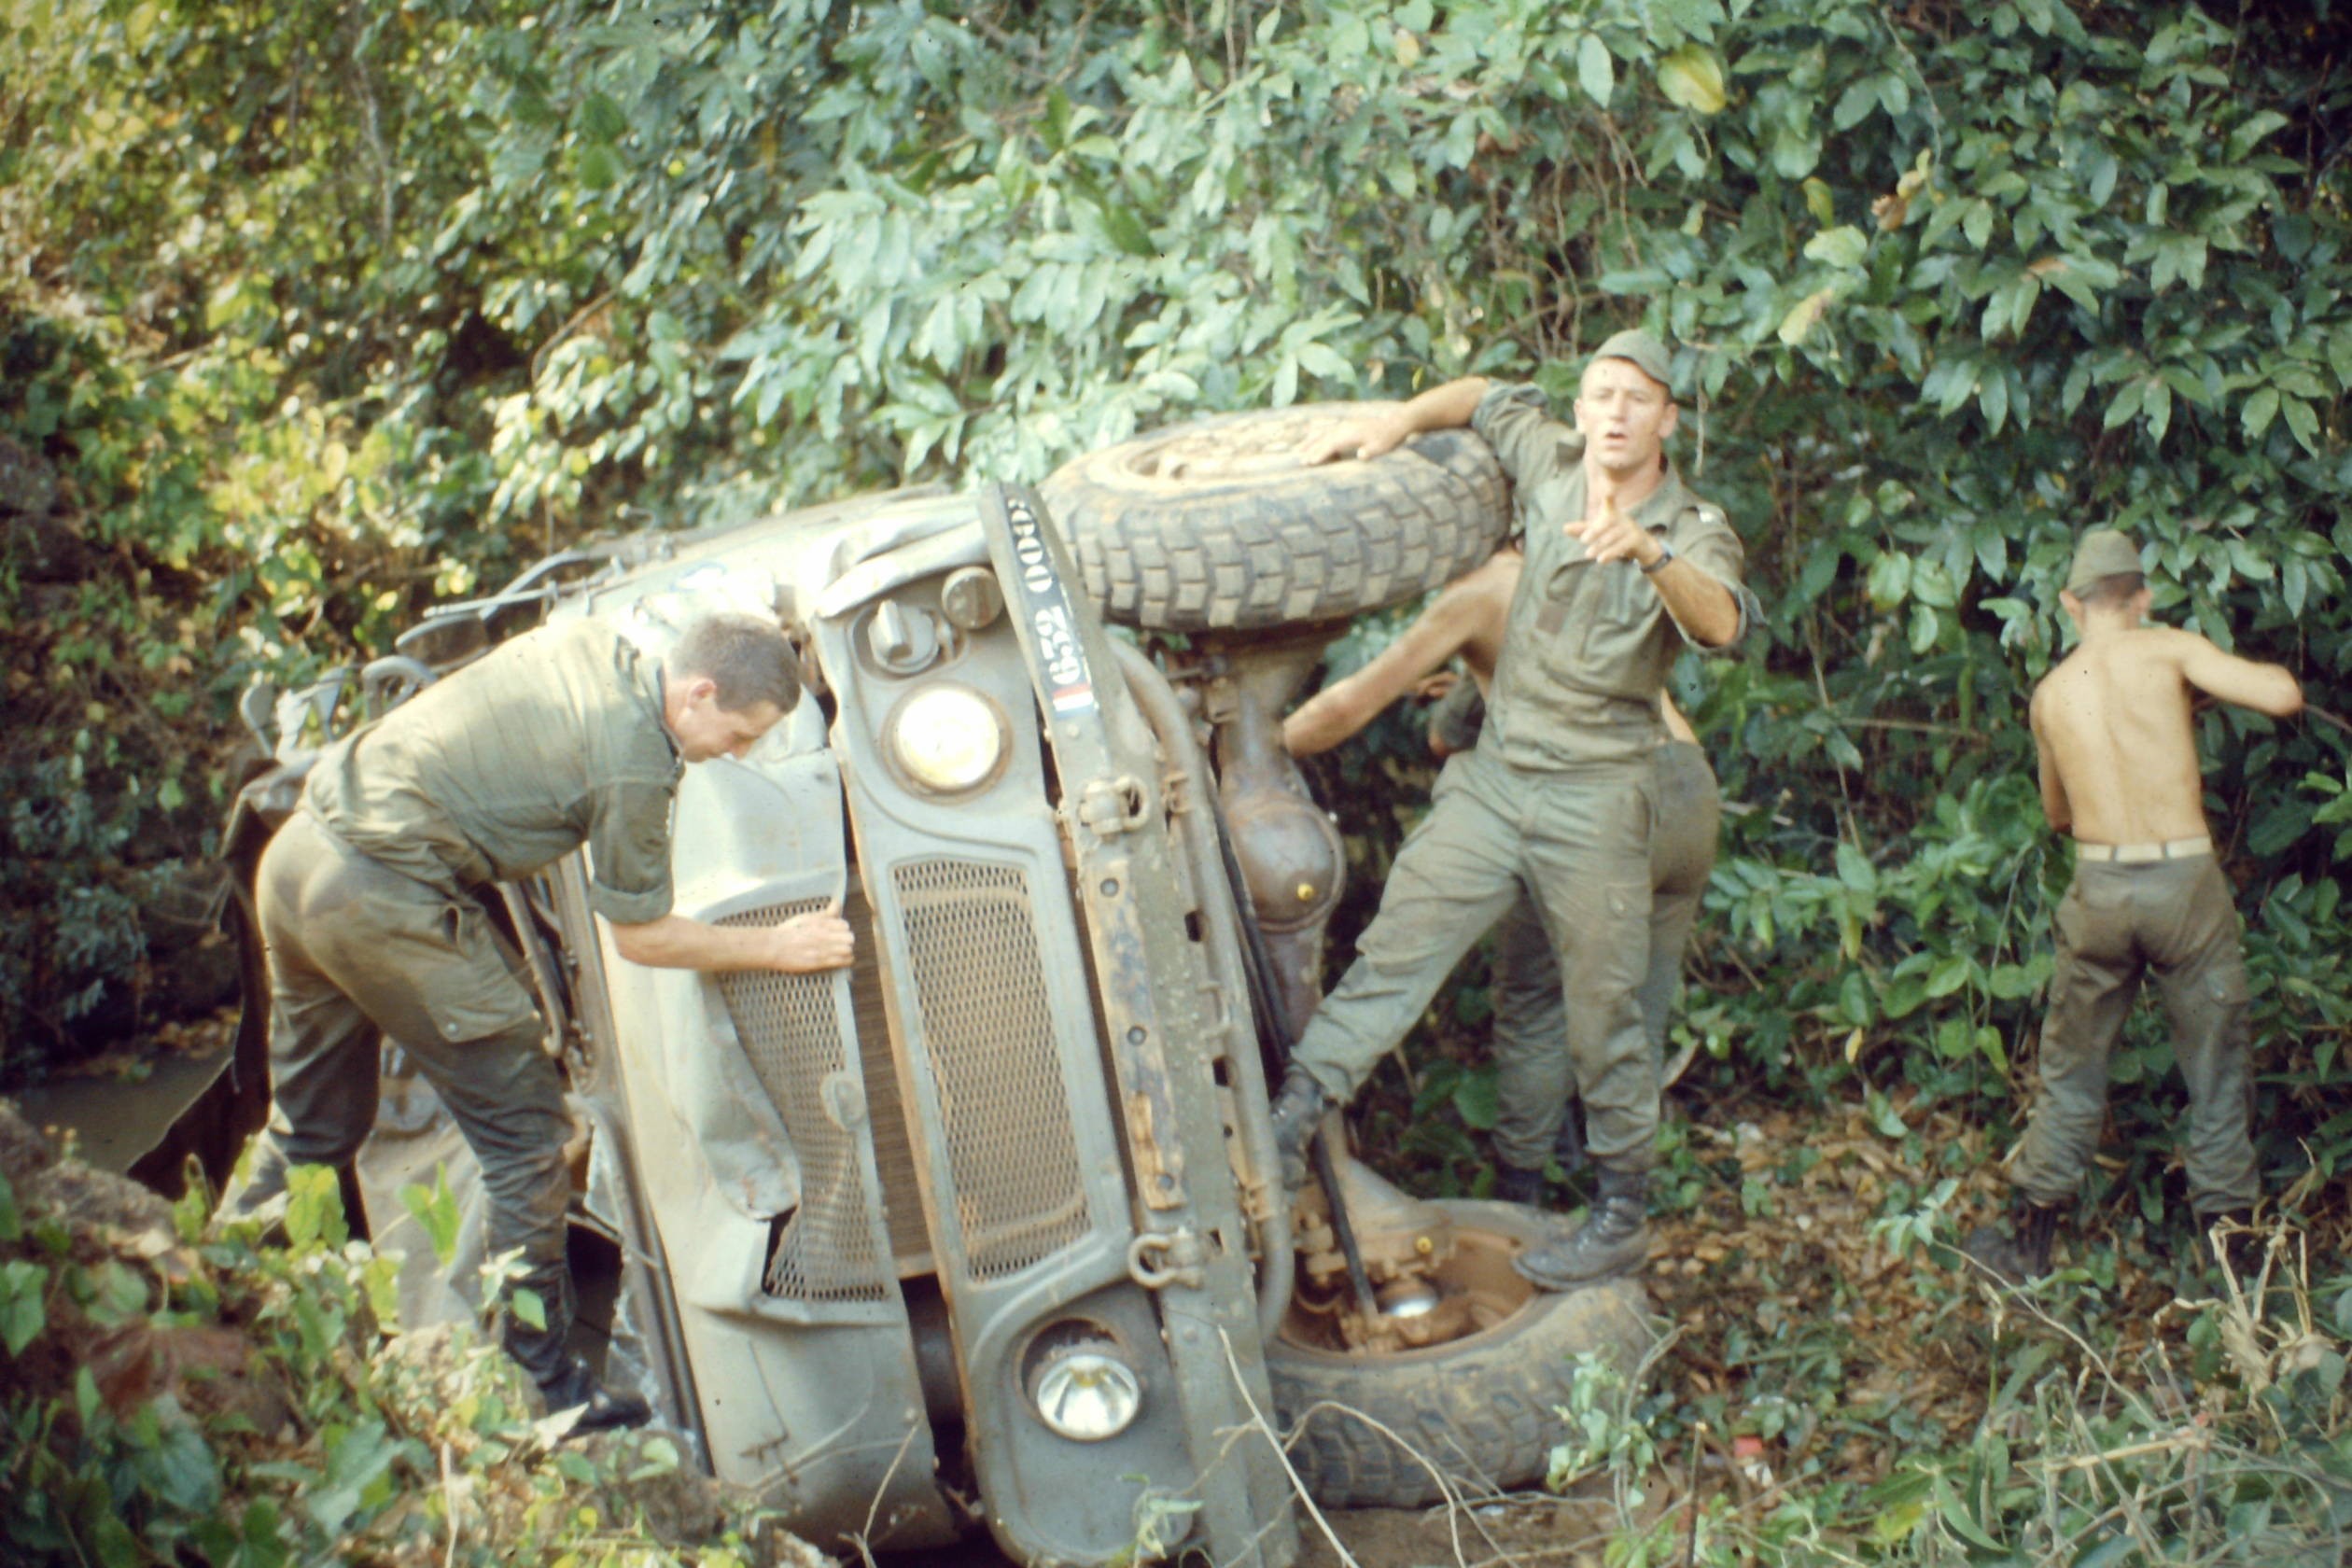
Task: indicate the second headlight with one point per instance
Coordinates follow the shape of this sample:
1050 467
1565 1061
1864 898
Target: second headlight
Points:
948 738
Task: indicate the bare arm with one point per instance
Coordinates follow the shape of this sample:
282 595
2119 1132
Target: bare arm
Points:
2056 806
1697 603
1345 706
1387 428
819 939
2264 688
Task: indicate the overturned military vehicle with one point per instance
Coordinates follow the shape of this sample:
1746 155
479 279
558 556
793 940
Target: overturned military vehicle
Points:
984 1232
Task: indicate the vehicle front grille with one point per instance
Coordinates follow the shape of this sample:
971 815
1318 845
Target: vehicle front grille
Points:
988 1027
792 1030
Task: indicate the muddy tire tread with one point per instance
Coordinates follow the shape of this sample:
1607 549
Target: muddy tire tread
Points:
1276 549
1485 1416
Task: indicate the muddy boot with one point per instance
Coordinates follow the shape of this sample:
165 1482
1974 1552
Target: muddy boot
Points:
2022 1253
561 1378
1296 1110
1516 1184
1614 1239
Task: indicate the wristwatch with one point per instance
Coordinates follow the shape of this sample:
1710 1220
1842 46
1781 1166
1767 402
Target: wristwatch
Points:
1665 553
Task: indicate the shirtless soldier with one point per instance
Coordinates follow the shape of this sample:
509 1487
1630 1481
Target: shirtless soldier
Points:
1535 1080
2118 771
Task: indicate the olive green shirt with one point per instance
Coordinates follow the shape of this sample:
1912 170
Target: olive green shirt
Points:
546 743
1587 646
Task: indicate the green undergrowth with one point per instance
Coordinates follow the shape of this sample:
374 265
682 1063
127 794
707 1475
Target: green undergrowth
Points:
179 1397
2216 1432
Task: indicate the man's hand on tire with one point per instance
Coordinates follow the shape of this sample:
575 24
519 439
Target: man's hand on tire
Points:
1365 436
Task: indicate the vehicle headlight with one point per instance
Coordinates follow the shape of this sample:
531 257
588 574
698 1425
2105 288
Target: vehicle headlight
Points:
1085 1392
948 738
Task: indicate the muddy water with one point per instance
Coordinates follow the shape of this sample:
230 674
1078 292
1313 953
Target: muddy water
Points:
116 1119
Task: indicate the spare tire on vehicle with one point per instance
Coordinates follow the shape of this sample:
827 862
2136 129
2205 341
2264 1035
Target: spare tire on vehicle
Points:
1475 1414
1215 526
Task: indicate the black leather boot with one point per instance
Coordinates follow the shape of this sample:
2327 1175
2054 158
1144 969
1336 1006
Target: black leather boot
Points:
1296 1110
2022 1253
1614 1239
563 1379
601 1409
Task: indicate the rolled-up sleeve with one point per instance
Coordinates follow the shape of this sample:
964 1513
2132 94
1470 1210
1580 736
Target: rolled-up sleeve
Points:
1702 538
1530 443
629 852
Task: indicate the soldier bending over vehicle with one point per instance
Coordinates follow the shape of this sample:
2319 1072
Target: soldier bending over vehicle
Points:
2118 771
1558 800
1536 1081
371 909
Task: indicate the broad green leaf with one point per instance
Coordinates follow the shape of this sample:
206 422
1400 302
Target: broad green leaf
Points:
599 170
1978 223
1842 246
1475 1098
1692 77
2259 409
1126 231
2127 402
1992 1048
1890 578
313 1208
1819 202
2255 127
600 118
1931 583
1596 73
1805 315
24 1310
436 1210
2302 419
1856 103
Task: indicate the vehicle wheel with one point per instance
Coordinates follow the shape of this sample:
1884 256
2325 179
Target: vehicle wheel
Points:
1480 1408
1214 526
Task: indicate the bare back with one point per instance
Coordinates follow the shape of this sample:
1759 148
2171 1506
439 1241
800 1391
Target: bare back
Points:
2113 724
2119 754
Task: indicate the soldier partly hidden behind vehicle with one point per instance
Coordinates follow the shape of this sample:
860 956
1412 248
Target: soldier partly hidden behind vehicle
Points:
1557 800
2113 724
371 912
1536 1118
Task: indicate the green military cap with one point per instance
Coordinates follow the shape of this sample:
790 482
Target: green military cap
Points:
1645 353
2103 552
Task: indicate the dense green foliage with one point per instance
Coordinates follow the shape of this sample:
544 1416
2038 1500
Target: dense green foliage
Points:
179 1398
321 310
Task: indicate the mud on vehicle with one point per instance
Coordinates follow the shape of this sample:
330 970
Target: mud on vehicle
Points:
984 1231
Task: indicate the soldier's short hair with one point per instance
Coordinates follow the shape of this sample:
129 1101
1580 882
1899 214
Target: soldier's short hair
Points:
2113 589
746 657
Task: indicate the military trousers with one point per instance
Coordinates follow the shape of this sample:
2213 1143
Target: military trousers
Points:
2174 923
1535 1077
1575 843
358 953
